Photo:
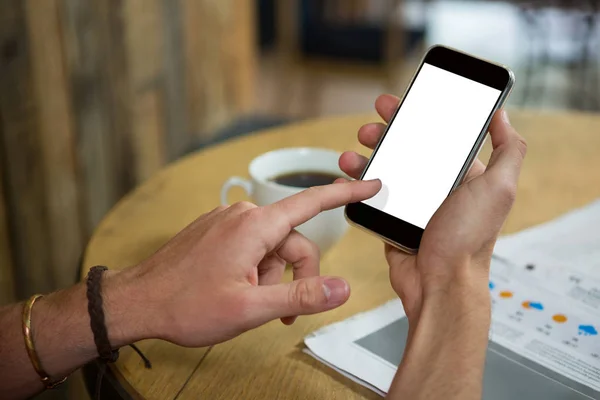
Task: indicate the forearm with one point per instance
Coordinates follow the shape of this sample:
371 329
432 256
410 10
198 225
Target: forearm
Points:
62 335
446 350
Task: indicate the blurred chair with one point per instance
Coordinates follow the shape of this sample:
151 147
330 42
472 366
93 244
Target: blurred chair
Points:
306 27
242 126
579 29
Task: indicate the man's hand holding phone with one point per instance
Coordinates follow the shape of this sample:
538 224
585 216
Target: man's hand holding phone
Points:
444 287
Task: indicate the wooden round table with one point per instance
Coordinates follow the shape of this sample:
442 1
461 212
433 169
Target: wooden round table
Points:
561 171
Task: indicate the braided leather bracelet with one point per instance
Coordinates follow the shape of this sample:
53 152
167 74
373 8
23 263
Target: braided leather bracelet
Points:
106 354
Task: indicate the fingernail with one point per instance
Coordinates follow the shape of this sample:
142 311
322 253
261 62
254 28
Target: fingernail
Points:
505 117
336 290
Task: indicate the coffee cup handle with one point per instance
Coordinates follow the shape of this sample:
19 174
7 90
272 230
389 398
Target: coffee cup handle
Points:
232 182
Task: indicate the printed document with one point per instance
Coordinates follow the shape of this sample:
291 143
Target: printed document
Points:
545 331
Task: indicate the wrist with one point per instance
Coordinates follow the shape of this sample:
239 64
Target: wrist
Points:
60 320
129 313
460 310
446 346
462 288
461 303
452 327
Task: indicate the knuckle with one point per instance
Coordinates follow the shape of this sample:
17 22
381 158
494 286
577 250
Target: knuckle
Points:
310 254
250 217
507 190
522 146
312 191
309 248
278 220
244 205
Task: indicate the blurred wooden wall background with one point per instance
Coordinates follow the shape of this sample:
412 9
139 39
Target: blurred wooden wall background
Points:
95 97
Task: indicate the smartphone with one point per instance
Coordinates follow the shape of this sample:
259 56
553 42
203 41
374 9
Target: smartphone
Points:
430 143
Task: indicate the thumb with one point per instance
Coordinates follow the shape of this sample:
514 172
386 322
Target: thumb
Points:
301 297
509 149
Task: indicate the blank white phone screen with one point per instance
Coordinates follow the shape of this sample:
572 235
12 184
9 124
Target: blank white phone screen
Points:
428 143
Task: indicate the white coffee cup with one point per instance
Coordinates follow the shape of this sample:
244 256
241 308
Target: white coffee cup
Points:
326 228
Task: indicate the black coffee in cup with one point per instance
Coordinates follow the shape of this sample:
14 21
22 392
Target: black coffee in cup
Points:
305 179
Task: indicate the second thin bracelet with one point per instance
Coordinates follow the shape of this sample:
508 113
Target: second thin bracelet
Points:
30 345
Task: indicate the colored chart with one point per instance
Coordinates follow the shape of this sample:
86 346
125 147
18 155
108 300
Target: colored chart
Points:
530 314
587 330
532 305
559 318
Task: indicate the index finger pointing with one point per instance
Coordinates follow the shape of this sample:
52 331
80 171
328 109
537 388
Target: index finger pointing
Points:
299 208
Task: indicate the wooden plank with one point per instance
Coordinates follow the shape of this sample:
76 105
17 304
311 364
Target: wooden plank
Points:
148 135
176 113
56 139
24 174
217 55
288 53
144 43
112 31
7 288
241 57
86 58
203 40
